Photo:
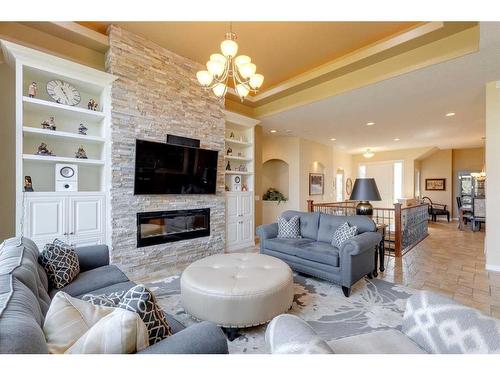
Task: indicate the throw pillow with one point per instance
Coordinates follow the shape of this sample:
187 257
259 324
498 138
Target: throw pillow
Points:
60 262
110 300
68 319
343 233
289 228
141 301
121 332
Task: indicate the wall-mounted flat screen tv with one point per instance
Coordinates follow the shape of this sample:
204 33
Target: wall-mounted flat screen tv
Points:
162 168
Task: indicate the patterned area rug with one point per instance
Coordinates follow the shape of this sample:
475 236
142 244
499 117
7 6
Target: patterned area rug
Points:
373 305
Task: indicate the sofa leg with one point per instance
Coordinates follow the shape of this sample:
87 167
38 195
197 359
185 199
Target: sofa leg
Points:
370 275
231 333
346 290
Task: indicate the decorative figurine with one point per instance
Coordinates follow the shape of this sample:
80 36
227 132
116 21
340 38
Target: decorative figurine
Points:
49 124
229 151
228 166
28 185
244 188
81 154
240 154
32 89
43 150
82 129
231 135
92 105
242 168
226 188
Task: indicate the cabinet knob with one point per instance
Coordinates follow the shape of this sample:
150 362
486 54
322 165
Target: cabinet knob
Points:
72 233
65 233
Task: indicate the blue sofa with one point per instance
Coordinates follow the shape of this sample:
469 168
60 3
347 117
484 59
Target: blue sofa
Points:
313 253
25 297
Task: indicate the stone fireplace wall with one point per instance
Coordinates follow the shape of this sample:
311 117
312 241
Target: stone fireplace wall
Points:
156 94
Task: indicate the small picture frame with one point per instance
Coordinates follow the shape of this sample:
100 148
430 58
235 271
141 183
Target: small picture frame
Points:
316 183
434 184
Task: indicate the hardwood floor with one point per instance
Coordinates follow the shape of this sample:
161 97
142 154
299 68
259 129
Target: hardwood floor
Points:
450 262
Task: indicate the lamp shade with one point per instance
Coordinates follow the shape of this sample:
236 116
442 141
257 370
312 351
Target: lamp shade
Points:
365 189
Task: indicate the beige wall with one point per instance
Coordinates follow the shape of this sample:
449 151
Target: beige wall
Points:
342 160
7 153
258 174
408 156
493 175
438 165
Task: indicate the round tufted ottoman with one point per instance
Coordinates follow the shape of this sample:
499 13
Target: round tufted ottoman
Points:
237 290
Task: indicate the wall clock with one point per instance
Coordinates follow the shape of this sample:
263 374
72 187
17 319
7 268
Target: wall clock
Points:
348 187
63 92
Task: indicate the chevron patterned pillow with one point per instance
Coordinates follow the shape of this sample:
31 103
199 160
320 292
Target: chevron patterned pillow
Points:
60 262
289 228
343 233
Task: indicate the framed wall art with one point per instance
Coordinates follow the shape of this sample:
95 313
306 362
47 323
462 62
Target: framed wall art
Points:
435 184
316 183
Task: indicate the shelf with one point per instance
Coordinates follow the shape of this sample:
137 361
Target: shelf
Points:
53 109
61 159
236 142
237 172
62 135
241 158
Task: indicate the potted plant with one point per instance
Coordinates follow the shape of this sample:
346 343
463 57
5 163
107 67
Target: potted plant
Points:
273 194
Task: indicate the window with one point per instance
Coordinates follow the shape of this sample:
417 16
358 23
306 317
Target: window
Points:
398 180
362 170
339 184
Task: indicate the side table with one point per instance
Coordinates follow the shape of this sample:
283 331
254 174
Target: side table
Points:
380 250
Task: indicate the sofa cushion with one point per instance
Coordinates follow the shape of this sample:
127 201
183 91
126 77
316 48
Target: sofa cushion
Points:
343 233
20 319
121 332
60 262
289 228
309 222
286 245
92 280
328 224
319 252
389 341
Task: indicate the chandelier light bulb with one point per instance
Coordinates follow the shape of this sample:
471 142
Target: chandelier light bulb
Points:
242 59
368 154
229 48
204 77
256 81
216 68
242 90
219 90
247 70
217 57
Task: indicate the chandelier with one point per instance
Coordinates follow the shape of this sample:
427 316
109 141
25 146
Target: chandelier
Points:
368 154
223 67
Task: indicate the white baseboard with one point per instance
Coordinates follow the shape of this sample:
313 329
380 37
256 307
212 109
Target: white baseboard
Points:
492 268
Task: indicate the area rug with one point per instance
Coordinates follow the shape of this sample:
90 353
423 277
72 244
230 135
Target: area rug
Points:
373 305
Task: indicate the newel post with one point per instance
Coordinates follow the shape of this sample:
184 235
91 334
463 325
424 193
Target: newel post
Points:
397 229
310 205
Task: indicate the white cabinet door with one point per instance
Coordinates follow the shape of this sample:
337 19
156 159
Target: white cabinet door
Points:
232 211
232 233
245 204
86 216
246 230
45 218
84 241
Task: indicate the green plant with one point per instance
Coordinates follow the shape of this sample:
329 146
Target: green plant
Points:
274 195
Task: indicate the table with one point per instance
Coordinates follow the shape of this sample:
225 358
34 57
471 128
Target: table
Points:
380 250
461 211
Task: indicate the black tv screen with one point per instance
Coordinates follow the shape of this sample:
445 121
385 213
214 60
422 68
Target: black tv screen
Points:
162 168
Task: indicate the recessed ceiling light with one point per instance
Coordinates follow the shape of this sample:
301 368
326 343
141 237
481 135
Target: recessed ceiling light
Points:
449 114
370 123
396 139
273 131
333 139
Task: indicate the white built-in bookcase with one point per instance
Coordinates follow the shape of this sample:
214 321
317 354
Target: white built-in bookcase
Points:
44 214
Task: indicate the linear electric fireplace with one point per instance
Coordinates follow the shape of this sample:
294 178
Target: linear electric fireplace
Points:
168 226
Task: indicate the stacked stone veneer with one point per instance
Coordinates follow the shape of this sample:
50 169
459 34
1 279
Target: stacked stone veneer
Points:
156 94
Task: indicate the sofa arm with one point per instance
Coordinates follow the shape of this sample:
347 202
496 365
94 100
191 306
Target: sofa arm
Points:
201 338
288 334
440 325
366 241
267 231
91 257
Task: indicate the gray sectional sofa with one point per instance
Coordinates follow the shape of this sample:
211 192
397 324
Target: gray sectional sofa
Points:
313 253
25 298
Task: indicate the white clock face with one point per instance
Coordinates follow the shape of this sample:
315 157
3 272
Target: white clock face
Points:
67 172
63 93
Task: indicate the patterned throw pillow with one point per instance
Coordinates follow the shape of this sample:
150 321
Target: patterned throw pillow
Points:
60 262
289 228
141 301
343 233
